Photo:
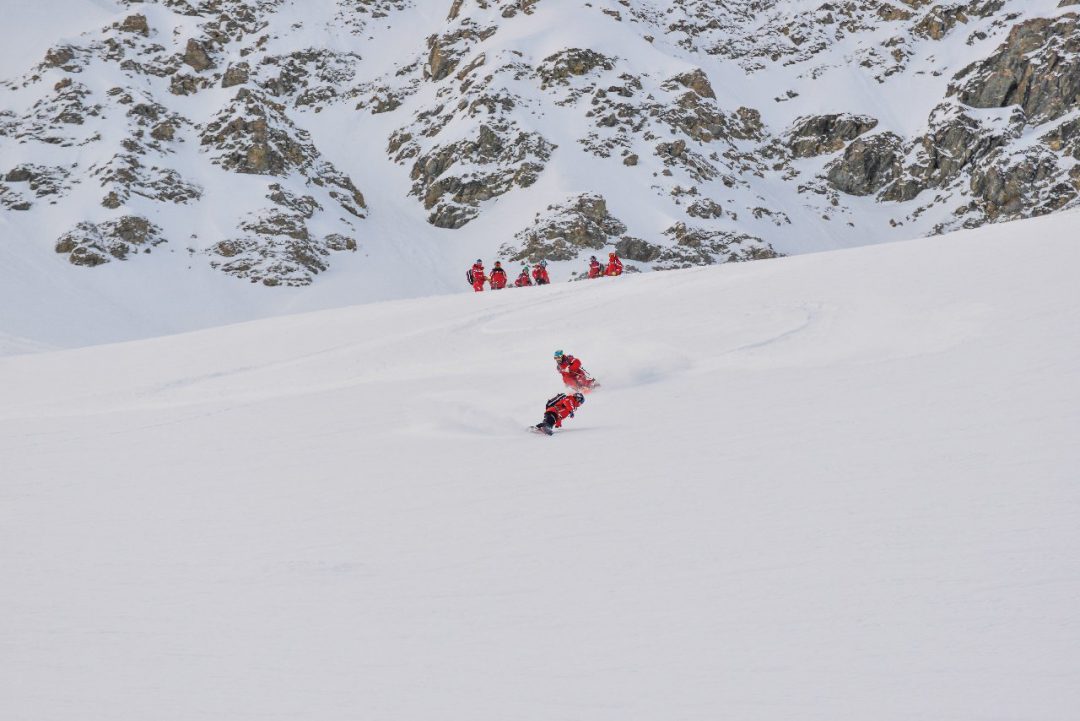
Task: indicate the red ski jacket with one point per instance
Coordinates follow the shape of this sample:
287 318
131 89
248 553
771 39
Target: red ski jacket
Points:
478 276
595 269
614 266
540 275
523 279
563 408
498 278
570 367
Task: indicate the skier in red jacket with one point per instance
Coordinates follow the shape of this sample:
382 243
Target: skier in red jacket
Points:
540 274
595 269
497 281
524 278
614 265
559 409
573 375
476 276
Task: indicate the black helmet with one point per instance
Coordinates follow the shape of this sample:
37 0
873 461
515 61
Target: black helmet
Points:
592 257
579 397
479 261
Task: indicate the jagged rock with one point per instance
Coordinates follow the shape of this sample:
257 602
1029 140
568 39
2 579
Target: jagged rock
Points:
705 209
185 84
165 131
91 244
868 164
1065 137
564 231
700 118
254 136
444 53
135 24
304 205
1037 68
277 249
940 20
697 81
124 174
58 57
20 174
677 154
953 144
500 158
702 246
820 134
1033 184
631 160
236 74
310 77
557 69
891 13
197 56
42 180
637 250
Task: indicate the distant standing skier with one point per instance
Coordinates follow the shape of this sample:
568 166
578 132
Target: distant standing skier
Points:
476 276
614 265
523 279
498 277
595 269
540 274
559 409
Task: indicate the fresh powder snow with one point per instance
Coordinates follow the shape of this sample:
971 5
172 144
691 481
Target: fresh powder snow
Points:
832 487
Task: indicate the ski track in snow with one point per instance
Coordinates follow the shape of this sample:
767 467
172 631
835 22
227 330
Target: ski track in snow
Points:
851 494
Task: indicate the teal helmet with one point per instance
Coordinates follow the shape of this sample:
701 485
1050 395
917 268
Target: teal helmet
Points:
558 354
543 263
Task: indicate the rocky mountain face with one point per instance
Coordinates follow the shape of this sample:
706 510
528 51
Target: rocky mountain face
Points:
677 132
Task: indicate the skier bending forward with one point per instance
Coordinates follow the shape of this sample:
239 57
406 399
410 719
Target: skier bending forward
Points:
573 375
560 407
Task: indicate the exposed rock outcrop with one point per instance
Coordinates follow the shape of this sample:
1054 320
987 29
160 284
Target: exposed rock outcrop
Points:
1037 68
820 134
564 231
707 246
91 244
868 164
500 157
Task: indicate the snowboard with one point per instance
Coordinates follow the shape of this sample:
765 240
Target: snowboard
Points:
541 428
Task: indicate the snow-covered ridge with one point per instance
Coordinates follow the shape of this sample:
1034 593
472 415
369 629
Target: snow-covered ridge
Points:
370 148
807 487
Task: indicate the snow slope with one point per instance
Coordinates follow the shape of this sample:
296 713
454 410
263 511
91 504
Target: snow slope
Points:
851 494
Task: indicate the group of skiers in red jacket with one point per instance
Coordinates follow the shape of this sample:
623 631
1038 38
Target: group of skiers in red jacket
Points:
497 279
563 405
613 267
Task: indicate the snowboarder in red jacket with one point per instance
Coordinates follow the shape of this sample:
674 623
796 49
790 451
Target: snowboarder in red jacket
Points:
497 281
524 278
476 276
614 265
540 274
559 409
573 375
595 269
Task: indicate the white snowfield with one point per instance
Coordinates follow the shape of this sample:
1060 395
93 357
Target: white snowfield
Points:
833 487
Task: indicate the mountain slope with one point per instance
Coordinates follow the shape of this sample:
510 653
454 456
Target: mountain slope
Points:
260 157
832 486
